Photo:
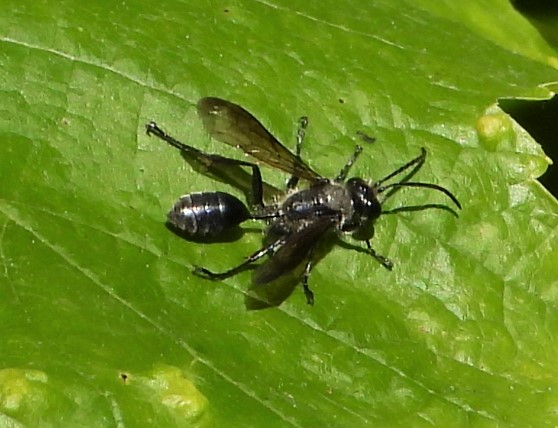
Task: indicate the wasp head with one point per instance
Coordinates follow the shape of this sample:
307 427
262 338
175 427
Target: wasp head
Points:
366 208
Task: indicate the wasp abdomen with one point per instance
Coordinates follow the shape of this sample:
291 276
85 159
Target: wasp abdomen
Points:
207 213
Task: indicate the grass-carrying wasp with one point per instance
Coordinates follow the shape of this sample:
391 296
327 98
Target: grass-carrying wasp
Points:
298 223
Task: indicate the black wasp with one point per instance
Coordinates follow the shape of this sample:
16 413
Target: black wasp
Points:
298 224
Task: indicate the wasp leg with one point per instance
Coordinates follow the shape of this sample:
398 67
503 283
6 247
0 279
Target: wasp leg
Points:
342 176
385 262
268 249
345 170
307 292
300 133
211 161
256 196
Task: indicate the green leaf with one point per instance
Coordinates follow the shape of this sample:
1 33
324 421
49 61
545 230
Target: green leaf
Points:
103 323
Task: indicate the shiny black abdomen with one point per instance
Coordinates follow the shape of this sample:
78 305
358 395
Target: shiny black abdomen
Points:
207 214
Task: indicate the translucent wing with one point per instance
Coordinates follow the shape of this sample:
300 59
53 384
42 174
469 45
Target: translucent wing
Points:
231 124
274 280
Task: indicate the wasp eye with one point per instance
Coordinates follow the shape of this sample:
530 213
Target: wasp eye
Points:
366 204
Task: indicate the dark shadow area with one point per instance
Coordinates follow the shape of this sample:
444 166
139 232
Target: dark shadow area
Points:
273 294
536 7
540 119
543 15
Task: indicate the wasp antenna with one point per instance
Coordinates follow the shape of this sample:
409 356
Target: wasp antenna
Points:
419 160
426 185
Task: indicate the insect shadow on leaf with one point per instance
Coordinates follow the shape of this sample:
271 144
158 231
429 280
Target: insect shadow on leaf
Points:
300 225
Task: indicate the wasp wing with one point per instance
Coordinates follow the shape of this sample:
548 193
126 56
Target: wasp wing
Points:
220 169
231 124
274 280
